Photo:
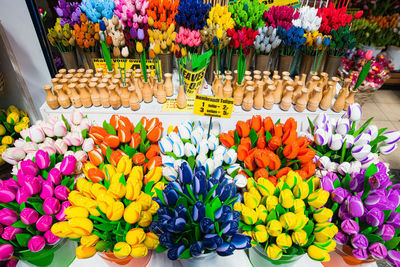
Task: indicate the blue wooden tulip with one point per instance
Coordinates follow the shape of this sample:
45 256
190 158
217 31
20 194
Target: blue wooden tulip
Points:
185 173
175 252
176 225
230 228
166 239
225 249
241 241
219 174
222 213
199 211
206 225
196 248
180 211
170 195
200 183
212 241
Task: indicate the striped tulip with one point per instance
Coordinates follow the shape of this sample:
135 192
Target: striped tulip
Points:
321 137
59 129
354 112
360 152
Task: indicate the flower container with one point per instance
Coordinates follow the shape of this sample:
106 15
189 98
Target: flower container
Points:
365 93
343 255
166 62
262 62
203 260
394 54
193 81
306 64
131 261
285 62
375 49
69 59
60 254
332 65
210 70
249 60
258 258
88 59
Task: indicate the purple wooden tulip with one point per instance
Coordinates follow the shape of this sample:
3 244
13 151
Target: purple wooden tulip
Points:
12 263
6 195
60 215
140 34
350 227
386 231
68 165
394 220
51 205
44 223
377 199
355 206
32 185
42 159
28 167
359 241
61 192
394 197
357 182
375 217
6 252
339 195
360 253
394 257
21 178
327 184
29 216
55 176
36 243
9 232
341 238
378 250
22 195
47 189
51 239
379 180
392 137
343 214
8 216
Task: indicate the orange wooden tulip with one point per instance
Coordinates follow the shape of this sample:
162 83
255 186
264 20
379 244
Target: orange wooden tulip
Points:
154 122
124 134
306 155
242 128
226 140
250 163
256 122
261 141
144 121
155 133
116 156
153 151
278 130
97 134
154 162
261 173
283 171
291 150
273 179
242 152
114 121
261 158
112 141
139 159
95 157
95 175
135 140
103 147
246 142
268 124
275 162
274 143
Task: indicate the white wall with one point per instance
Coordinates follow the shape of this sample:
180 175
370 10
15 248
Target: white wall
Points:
21 34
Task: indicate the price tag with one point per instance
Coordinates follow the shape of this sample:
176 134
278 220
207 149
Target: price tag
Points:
212 106
269 3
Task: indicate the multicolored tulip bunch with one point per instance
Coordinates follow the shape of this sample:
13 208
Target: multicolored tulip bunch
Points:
112 32
196 215
112 214
57 136
31 202
12 122
268 150
289 218
367 209
120 138
343 148
191 142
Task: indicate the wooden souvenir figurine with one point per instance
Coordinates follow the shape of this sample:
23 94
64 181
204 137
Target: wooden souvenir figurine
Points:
94 94
137 82
227 90
259 95
248 100
51 99
104 96
181 99
161 94
301 102
326 101
269 97
133 99
339 104
75 97
349 99
315 99
115 100
168 85
62 98
238 94
278 91
84 95
266 75
286 102
147 92
217 85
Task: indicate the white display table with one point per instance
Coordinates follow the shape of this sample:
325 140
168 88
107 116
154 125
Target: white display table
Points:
154 109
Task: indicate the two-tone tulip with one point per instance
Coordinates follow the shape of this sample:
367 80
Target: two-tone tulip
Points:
60 130
44 223
29 216
84 252
322 215
132 213
299 237
325 231
274 252
318 198
343 126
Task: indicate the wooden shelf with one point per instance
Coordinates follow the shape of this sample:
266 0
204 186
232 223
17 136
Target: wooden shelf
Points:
394 79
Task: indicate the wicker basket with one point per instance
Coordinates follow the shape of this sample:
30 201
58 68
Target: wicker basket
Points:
2 83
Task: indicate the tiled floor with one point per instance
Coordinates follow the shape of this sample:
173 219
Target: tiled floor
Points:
384 106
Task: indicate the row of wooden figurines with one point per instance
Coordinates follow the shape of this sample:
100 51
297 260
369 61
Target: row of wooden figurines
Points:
85 88
261 91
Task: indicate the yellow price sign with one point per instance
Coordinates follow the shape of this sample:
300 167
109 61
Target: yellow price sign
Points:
124 64
269 3
193 80
212 106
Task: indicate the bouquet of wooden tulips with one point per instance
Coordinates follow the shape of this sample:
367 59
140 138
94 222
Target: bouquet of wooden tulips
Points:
61 37
269 150
31 202
87 34
288 219
12 122
196 215
112 206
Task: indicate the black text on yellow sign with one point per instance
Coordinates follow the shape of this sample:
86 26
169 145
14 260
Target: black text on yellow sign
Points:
269 3
193 81
212 106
